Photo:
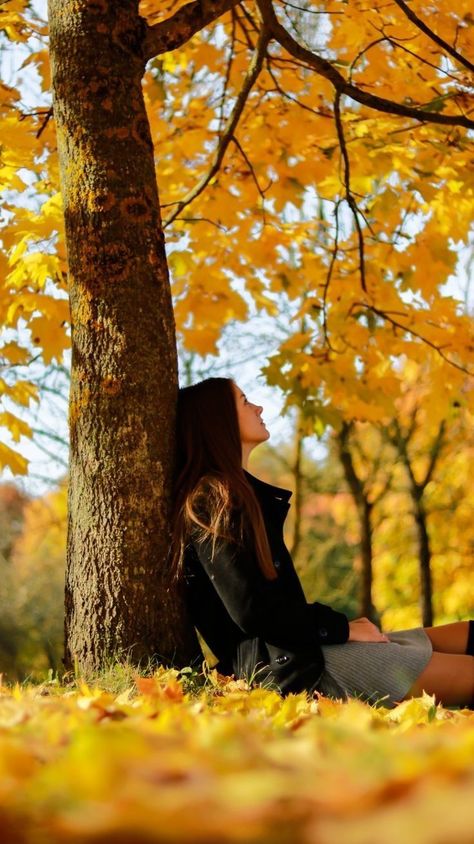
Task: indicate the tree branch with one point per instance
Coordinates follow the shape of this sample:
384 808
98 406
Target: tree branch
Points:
175 31
328 278
401 443
434 453
436 38
328 71
227 72
262 191
347 184
387 316
354 482
227 135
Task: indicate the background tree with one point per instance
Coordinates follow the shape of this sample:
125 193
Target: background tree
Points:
417 488
368 485
38 584
12 513
326 556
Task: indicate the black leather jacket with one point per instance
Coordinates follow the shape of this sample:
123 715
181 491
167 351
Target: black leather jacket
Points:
262 630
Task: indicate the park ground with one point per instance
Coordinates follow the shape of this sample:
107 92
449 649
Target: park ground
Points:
198 758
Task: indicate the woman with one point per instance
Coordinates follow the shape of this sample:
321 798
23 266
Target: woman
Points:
242 589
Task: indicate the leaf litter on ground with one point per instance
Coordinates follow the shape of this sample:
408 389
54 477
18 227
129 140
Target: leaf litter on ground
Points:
169 761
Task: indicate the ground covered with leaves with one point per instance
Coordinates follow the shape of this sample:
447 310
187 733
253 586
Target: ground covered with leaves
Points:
174 761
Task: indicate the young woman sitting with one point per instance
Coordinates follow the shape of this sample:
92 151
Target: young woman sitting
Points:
245 597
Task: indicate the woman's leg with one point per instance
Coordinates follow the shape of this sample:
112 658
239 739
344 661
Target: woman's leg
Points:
449 638
450 677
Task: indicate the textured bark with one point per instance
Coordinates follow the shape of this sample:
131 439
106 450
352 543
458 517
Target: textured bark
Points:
124 367
364 510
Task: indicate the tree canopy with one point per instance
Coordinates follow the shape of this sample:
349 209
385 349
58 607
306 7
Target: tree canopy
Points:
317 152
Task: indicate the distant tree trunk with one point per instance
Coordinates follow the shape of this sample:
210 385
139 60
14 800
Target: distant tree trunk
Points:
364 510
124 368
298 480
366 543
417 489
424 551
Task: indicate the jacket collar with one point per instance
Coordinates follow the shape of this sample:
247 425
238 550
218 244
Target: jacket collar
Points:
268 491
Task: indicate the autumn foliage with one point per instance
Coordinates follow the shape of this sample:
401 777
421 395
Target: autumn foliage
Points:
167 760
315 157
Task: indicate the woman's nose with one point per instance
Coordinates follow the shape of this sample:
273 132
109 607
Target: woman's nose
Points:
259 409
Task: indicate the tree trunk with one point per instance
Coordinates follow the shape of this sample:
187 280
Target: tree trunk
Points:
417 489
425 564
365 516
364 510
124 367
298 479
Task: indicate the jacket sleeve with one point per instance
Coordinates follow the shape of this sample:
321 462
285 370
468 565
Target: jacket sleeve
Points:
261 607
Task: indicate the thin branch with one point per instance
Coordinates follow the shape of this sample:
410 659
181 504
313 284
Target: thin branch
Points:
434 453
327 282
179 28
227 71
310 11
240 20
227 135
325 69
9 365
383 490
204 220
363 52
54 456
292 99
401 443
48 117
253 23
54 391
55 437
432 35
413 423
347 184
396 44
262 191
385 315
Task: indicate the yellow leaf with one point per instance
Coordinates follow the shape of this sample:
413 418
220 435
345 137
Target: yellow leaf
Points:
16 462
22 392
16 426
15 353
50 335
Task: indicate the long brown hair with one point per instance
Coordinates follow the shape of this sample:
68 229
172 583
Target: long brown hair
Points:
210 485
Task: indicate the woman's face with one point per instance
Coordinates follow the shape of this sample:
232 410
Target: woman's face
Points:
252 427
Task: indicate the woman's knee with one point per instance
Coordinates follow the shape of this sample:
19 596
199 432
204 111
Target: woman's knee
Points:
450 638
450 677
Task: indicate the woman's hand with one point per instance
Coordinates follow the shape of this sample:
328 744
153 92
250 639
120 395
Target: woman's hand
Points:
362 630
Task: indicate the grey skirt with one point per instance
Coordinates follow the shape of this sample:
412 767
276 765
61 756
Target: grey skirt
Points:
380 673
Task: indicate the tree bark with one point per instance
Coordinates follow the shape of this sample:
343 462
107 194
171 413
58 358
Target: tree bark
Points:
364 510
124 367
